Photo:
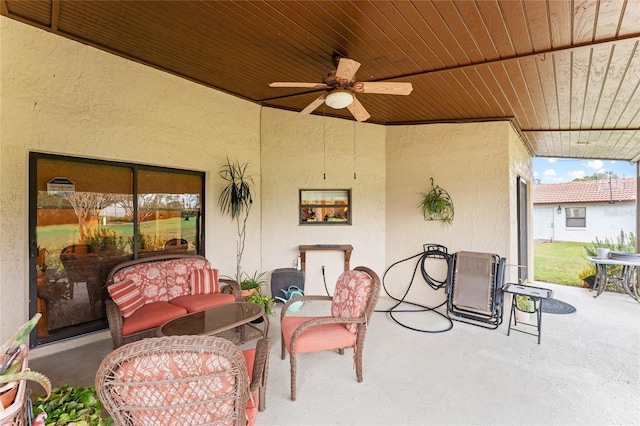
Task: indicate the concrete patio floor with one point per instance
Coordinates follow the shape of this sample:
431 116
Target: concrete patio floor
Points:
585 371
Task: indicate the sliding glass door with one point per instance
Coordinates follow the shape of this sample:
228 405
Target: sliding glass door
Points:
86 216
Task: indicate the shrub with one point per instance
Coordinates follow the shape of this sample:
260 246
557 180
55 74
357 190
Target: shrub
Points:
624 242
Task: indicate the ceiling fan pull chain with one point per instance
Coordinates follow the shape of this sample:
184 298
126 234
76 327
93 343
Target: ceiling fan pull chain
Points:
354 150
324 142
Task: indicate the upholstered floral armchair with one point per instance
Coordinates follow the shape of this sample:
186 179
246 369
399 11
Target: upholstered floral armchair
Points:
355 297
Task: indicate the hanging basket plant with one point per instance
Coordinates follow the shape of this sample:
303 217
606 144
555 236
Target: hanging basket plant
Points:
437 205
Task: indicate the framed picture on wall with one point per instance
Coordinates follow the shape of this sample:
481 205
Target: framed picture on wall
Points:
325 207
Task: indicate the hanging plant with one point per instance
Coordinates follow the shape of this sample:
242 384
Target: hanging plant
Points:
437 205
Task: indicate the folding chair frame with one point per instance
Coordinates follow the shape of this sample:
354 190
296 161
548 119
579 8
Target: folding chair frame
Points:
493 318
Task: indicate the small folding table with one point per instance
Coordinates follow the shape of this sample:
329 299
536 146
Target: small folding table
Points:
536 294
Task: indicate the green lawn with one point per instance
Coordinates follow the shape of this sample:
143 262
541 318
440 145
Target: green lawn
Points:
560 262
55 237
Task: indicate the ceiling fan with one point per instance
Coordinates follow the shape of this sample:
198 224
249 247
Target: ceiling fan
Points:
340 89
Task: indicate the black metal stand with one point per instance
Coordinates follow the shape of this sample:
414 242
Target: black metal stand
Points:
536 294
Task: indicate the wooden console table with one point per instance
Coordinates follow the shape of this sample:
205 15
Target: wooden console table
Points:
346 248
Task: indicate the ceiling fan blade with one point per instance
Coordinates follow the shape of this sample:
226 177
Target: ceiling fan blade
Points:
358 111
311 107
383 88
297 84
347 69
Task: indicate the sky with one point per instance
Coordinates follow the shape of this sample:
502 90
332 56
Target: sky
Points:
559 170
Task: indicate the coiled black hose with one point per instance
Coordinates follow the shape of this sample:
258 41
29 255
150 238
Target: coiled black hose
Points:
430 251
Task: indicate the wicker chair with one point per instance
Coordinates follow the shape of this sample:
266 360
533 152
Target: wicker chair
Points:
176 244
355 297
181 380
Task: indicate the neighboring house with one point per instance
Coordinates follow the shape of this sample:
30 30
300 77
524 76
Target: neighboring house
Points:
581 211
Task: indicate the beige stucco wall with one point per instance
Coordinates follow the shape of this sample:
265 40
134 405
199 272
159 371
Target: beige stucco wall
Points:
295 156
62 97
472 163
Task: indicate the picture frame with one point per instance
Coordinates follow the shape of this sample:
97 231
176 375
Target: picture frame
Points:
325 207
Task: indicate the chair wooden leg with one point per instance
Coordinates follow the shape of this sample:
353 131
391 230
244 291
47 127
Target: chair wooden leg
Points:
358 355
341 351
292 356
283 350
262 392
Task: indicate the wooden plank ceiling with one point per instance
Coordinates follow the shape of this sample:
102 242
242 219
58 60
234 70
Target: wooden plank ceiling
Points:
565 73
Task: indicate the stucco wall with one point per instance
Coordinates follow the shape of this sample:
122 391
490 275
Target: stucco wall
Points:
318 153
63 97
471 162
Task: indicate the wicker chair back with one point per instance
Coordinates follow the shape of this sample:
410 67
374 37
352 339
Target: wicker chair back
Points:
177 380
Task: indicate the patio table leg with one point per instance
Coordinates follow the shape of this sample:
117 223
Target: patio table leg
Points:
601 279
628 281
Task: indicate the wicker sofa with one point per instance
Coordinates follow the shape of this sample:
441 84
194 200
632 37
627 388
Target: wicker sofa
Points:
146 292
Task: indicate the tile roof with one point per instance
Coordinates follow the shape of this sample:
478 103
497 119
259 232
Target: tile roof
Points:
588 191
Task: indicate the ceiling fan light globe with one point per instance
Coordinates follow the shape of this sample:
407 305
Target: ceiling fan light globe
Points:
339 99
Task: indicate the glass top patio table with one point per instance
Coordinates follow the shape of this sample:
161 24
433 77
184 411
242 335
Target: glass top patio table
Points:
628 276
232 321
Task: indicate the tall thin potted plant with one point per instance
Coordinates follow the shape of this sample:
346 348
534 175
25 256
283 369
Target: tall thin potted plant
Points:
235 200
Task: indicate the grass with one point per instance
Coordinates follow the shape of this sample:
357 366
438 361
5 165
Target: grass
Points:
560 262
55 237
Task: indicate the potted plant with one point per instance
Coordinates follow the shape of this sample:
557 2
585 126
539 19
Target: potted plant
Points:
437 205
524 303
588 277
14 372
78 405
525 306
235 200
264 300
249 284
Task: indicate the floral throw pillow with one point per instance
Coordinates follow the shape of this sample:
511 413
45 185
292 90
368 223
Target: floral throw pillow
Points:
350 297
204 281
126 295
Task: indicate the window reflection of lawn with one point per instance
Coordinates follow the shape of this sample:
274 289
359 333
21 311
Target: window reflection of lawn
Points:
58 236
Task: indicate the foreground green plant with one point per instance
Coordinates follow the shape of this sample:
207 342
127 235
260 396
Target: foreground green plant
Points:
13 351
72 405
